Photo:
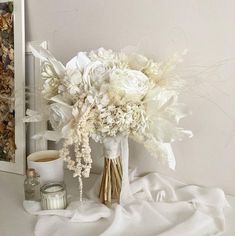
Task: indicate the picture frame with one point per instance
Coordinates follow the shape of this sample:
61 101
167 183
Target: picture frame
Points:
18 163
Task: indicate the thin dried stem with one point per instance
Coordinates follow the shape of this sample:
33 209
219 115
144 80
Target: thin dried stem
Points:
111 182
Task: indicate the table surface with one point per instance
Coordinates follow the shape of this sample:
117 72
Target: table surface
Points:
14 221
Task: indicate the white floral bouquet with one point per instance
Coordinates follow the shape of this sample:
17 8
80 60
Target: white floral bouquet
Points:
102 94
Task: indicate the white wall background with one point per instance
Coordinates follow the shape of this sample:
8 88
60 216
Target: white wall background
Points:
159 28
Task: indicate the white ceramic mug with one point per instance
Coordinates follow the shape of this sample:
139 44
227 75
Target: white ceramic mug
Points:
48 165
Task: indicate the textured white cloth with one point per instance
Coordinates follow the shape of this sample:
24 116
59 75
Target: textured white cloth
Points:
162 206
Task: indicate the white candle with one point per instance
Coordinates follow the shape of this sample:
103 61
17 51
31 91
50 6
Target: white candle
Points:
53 196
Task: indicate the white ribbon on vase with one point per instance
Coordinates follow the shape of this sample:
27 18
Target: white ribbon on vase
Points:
112 149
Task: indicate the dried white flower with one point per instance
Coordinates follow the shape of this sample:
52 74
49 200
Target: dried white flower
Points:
137 61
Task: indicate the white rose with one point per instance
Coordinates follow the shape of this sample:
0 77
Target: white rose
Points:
132 84
59 115
94 74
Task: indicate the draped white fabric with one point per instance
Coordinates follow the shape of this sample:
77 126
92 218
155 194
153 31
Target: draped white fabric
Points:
161 206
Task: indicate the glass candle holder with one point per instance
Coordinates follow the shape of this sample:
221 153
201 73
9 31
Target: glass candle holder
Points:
53 196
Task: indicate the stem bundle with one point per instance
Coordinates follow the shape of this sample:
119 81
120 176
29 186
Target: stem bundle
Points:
111 183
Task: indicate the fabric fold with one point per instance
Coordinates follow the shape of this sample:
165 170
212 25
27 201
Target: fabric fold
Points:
160 206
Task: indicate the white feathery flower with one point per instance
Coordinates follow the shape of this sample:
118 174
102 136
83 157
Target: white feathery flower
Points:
137 61
164 113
